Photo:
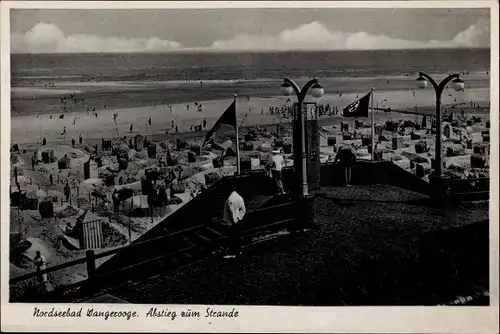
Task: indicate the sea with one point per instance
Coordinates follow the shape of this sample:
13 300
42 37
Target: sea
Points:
29 68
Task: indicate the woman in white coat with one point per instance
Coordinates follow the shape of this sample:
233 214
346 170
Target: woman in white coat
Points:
234 211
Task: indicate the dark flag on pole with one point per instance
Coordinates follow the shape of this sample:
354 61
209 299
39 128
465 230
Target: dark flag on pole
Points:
228 118
358 108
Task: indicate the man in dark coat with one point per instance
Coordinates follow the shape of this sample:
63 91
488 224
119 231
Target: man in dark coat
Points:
116 202
346 158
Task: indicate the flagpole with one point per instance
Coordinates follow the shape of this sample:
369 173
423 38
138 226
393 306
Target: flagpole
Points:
373 130
237 139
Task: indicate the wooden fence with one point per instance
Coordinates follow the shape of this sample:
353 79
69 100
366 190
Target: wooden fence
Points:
269 218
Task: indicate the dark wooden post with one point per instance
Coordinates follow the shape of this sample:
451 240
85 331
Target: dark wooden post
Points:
90 257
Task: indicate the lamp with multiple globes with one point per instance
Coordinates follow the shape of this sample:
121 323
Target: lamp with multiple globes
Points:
317 91
458 85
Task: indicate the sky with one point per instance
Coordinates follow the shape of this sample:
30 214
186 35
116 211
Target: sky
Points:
163 30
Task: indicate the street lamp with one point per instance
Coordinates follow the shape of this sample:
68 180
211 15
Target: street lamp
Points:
457 85
317 91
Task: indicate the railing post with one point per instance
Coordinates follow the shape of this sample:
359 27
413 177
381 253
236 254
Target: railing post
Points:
439 189
90 257
304 214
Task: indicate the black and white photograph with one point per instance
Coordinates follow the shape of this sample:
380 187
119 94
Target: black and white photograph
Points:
224 156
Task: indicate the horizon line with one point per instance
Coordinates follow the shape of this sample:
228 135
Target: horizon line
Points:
205 51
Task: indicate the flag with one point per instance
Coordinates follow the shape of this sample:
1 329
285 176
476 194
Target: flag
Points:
358 108
228 118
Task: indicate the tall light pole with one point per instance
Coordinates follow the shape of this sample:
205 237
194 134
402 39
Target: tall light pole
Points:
317 91
458 85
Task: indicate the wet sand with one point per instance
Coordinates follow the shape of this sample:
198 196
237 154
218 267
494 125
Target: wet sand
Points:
131 94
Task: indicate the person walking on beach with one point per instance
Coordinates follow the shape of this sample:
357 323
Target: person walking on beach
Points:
40 264
116 202
346 158
67 191
73 142
176 129
51 179
80 139
234 211
204 123
64 133
44 141
149 120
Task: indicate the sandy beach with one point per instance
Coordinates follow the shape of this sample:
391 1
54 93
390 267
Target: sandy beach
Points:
395 92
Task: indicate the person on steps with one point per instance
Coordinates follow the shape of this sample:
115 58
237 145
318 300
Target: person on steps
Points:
276 163
234 211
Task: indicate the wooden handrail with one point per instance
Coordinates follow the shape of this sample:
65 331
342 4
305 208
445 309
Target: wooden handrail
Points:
48 270
471 193
64 288
148 241
472 179
144 262
127 247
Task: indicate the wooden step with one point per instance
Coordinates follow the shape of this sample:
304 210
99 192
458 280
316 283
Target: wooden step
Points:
216 231
201 236
174 260
186 242
186 257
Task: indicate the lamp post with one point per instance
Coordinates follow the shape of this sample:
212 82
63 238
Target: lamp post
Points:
317 91
457 85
